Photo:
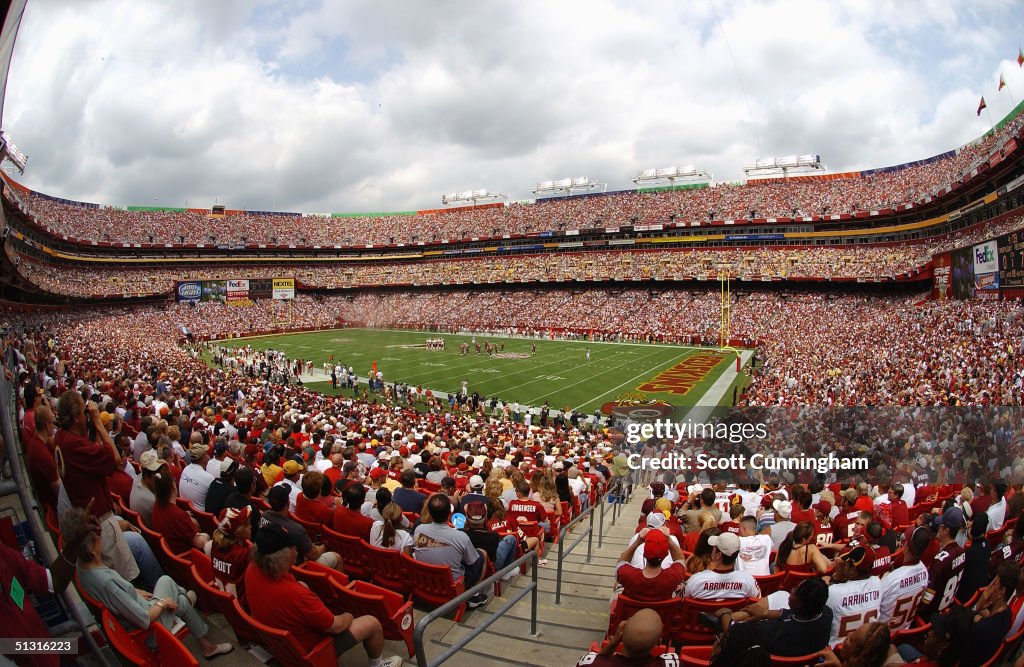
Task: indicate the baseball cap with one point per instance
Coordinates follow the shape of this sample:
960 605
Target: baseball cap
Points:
658 489
271 538
823 506
278 496
862 558
655 520
150 461
232 518
228 466
378 473
197 451
291 467
655 544
784 508
220 447
727 543
476 513
953 518
476 482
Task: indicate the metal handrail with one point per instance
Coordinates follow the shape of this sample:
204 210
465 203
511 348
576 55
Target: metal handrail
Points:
80 615
531 588
563 551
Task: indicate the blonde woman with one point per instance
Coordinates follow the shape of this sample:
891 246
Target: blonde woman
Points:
544 492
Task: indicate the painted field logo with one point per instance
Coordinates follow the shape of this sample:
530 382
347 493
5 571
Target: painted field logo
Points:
637 407
682 377
511 355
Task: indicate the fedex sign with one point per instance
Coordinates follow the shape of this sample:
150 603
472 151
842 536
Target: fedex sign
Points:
985 258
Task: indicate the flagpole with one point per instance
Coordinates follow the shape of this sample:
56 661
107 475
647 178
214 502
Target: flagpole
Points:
992 125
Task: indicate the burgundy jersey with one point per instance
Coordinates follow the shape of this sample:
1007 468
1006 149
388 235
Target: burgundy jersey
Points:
944 577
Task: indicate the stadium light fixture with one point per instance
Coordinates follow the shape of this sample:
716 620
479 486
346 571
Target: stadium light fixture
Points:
568 186
10 152
687 174
471 196
787 165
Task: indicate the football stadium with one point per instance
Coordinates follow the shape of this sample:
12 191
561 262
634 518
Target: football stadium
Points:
267 401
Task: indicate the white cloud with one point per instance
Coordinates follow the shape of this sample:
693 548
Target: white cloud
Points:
358 106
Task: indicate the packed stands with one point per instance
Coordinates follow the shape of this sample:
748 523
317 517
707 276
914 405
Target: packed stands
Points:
812 198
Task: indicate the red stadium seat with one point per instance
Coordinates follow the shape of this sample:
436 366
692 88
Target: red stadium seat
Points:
624 607
387 569
393 612
202 564
124 643
689 630
214 598
793 579
695 656
352 551
170 650
176 565
152 537
770 583
283 646
207 522
433 585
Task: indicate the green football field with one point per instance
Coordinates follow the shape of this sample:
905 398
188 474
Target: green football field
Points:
558 372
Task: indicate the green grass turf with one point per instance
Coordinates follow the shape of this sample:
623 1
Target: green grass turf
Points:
558 373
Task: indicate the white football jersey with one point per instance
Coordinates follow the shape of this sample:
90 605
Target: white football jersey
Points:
902 589
853 604
712 585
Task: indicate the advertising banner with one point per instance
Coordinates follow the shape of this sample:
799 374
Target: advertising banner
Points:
941 279
284 288
190 291
1011 259
237 291
986 269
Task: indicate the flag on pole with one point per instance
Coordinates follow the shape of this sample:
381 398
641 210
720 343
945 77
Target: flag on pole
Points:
981 105
1020 57
1002 81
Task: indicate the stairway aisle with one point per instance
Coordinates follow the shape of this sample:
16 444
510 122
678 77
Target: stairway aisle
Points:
565 631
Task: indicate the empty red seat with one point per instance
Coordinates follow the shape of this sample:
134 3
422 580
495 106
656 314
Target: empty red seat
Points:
433 585
352 551
394 613
387 569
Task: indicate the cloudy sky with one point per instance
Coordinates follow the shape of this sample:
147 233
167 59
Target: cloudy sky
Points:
358 105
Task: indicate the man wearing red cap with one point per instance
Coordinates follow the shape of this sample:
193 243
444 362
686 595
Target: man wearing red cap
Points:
651 582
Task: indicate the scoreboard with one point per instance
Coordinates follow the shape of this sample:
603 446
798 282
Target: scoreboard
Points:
1011 259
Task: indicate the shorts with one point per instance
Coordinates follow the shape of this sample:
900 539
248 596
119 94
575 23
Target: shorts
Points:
344 641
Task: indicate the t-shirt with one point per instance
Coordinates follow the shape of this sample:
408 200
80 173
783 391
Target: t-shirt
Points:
986 636
522 509
640 587
42 469
789 636
351 522
780 530
943 579
402 538
194 485
902 589
409 500
287 605
718 585
141 500
595 659
313 510
853 604
440 544
216 495
755 555
83 466
175 525
229 566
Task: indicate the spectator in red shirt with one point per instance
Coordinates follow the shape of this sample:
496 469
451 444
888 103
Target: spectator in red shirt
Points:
42 469
278 600
119 481
733 524
311 505
652 582
523 510
864 503
347 518
802 508
175 524
229 550
898 507
85 454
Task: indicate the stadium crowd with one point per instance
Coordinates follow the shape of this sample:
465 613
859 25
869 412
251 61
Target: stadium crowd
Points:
756 199
224 438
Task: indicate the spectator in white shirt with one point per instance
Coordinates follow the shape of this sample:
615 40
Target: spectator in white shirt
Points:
195 481
722 580
755 549
997 510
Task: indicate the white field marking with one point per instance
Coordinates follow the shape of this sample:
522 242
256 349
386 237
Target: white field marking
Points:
632 379
711 399
539 378
546 340
590 378
527 368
